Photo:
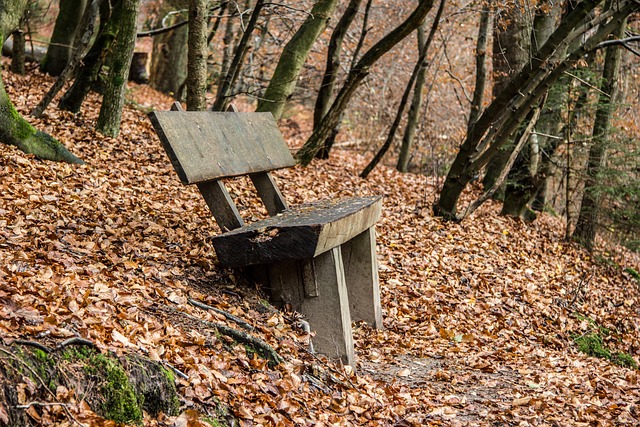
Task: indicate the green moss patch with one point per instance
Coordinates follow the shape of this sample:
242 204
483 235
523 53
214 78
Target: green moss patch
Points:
117 388
117 398
592 344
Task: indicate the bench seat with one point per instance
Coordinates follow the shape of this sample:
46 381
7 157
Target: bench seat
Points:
299 233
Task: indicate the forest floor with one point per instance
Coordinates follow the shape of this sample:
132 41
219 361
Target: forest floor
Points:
480 318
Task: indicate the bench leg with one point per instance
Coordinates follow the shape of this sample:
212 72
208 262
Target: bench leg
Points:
361 271
318 290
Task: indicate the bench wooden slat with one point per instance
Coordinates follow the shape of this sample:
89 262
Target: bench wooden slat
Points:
206 145
269 193
221 205
300 233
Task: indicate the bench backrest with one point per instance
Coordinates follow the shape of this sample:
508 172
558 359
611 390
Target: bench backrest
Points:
207 145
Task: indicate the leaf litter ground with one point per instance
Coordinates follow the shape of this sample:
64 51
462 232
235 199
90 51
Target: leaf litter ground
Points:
480 317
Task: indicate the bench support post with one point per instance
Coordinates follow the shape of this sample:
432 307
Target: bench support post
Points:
328 312
361 271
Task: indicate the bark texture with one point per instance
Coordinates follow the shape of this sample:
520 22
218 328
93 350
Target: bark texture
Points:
285 77
481 65
169 59
113 100
197 56
587 225
64 33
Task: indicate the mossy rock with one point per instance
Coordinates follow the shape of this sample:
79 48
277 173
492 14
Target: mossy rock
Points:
116 388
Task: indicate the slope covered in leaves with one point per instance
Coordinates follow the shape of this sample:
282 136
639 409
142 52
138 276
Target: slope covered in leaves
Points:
480 318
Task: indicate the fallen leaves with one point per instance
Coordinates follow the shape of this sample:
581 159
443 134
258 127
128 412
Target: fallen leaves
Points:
478 316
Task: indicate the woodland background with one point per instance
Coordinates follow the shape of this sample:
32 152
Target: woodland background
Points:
490 319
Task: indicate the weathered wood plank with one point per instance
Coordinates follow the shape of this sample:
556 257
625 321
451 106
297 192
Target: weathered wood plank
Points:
361 272
269 193
221 205
207 145
300 233
327 311
328 314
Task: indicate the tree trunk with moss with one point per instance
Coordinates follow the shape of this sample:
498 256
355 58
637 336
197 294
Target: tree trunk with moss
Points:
92 63
293 57
64 33
113 99
115 388
586 227
14 129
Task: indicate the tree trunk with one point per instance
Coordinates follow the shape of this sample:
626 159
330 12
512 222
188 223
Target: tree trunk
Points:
88 23
511 50
325 148
363 35
14 129
113 99
197 56
416 102
524 182
355 78
18 52
224 89
334 52
64 33
502 117
586 227
285 77
168 70
92 63
481 66
420 65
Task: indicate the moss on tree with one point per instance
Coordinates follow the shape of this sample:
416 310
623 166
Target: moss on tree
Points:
15 130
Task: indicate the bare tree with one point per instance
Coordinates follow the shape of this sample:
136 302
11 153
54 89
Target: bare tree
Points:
355 78
503 116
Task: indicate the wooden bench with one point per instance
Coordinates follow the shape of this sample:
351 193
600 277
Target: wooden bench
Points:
319 258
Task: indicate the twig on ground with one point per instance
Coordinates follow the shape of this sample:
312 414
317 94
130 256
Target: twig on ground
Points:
75 341
264 349
576 292
243 324
33 344
30 404
175 370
